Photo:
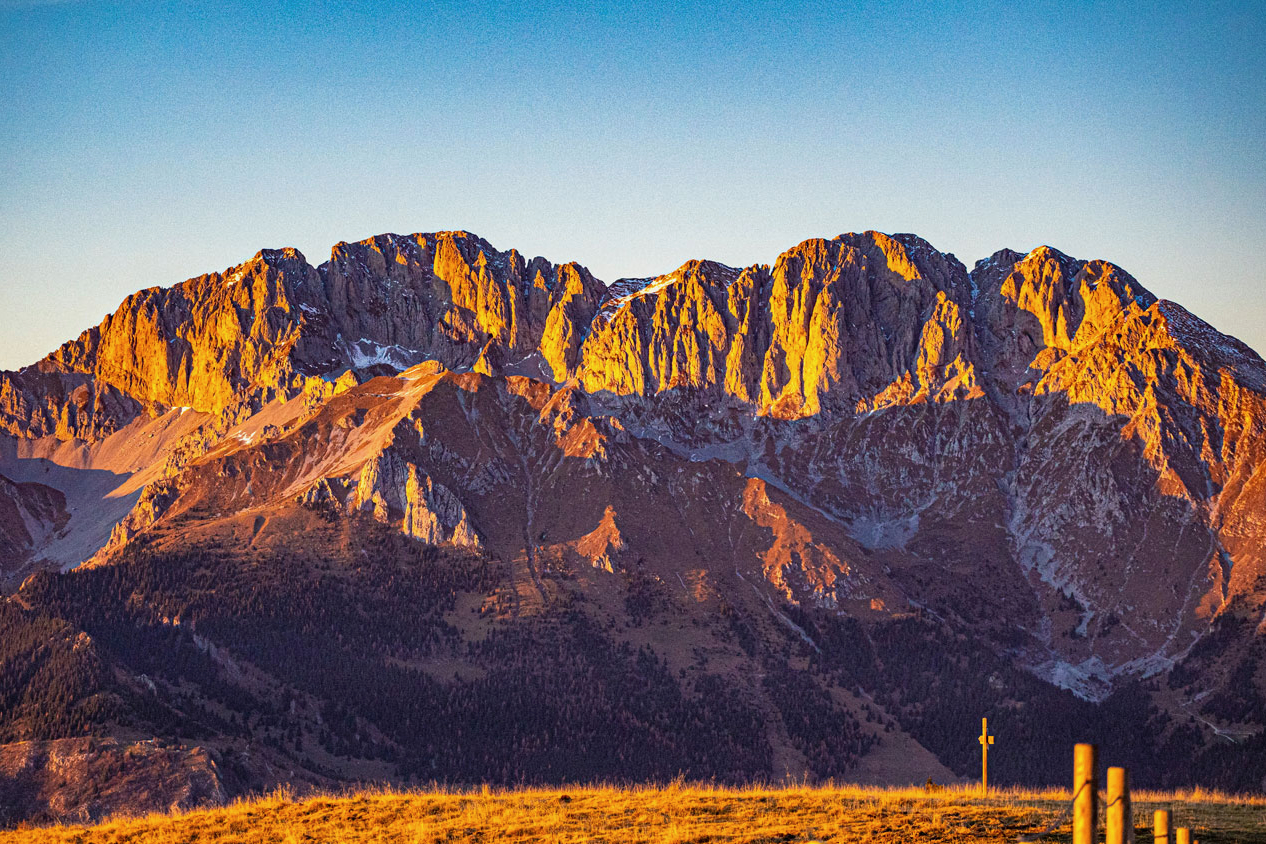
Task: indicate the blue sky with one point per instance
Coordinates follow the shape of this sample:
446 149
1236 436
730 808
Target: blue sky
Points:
143 143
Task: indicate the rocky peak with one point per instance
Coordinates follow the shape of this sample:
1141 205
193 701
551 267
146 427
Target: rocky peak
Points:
287 255
201 343
453 297
624 287
1033 310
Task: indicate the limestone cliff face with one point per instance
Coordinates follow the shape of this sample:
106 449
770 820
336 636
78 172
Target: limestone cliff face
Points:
205 343
266 328
446 296
573 300
848 321
35 403
859 320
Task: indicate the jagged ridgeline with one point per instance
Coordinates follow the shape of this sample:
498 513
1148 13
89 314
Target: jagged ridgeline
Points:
433 511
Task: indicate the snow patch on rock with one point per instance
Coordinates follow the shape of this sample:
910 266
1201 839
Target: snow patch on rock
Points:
364 353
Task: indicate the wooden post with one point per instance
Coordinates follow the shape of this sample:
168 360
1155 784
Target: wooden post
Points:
1182 835
1120 819
1085 795
1160 826
985 740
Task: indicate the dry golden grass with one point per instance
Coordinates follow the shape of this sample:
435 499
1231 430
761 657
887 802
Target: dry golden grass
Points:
673 814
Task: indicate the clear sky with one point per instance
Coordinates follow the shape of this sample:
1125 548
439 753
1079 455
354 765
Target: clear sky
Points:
145 142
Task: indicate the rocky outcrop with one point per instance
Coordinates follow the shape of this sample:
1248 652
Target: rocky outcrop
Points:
78 780
602 543
151 506
29 513
795 565
34 404
396 491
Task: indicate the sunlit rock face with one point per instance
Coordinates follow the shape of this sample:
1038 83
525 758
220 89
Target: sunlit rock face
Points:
262 329
35 403
1038 445
859 319
203 343
446 297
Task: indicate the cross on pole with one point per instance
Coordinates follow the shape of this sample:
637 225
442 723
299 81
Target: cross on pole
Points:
985 740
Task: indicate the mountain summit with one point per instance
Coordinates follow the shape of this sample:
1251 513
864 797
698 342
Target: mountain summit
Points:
860 481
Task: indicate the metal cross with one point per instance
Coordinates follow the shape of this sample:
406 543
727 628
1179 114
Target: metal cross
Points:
985 740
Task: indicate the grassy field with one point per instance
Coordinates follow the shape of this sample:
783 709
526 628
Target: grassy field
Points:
673 813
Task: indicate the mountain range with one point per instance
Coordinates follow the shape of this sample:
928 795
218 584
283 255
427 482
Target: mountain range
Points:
435 511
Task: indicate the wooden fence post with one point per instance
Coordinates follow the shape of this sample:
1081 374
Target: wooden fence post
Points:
1085 795
1120 819
1160 826
1182 835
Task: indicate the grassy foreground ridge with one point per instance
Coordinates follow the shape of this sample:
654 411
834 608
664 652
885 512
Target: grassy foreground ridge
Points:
661 814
